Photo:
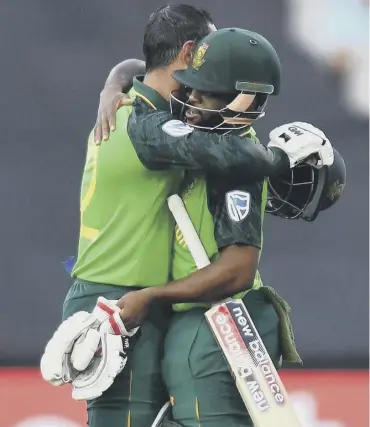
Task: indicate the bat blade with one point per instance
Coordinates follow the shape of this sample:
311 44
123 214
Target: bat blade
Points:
256 378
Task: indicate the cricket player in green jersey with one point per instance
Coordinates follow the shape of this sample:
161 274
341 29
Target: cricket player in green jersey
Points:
125 220
193 367
227 212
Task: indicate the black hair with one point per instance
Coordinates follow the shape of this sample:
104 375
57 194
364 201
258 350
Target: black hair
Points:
168 28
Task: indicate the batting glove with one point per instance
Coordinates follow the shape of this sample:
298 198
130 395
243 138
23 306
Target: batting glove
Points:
303 142
76 340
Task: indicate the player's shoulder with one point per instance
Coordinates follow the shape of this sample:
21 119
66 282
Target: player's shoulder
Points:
142 109
146 119
123 114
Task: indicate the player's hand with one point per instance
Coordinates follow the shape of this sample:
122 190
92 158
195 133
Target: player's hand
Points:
108 320
111 100
302 141
134 307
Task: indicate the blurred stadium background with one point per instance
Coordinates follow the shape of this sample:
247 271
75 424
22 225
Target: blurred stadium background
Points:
55 57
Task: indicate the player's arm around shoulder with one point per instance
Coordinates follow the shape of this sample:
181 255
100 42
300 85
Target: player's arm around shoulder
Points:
163 142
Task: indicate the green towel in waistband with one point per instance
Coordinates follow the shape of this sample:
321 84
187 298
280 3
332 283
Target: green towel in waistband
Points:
289 350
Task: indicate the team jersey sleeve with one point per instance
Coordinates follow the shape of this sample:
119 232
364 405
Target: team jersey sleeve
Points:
164 143
237 213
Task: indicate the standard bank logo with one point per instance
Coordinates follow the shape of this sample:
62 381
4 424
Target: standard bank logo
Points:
238 204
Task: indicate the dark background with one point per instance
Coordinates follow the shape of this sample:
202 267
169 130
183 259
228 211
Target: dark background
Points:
55 56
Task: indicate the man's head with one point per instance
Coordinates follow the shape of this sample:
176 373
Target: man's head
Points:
171 33
233 71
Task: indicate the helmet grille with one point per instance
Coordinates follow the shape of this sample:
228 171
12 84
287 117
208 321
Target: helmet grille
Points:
290 193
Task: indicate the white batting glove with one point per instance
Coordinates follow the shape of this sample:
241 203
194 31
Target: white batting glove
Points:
55 365
102 369
61 362
303 142
89 342
100 354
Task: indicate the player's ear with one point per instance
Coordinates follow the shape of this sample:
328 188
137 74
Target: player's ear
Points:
186 53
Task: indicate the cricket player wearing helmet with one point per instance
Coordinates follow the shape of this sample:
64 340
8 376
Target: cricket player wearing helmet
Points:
223 97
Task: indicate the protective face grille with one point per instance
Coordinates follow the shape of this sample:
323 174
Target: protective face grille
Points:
224 120
290 194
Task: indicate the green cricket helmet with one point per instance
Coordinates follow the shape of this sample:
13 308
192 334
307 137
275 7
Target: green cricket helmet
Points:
234 63
304 191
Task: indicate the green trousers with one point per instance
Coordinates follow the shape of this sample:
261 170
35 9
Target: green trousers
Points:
138 393
202 390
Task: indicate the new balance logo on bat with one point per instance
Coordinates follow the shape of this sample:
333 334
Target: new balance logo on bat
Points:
256 349
246 354
237 355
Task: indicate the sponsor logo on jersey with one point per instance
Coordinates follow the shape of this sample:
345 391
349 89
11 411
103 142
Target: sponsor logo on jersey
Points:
238 205
177 128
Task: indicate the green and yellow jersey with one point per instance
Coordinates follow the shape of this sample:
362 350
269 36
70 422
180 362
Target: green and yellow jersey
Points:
126 229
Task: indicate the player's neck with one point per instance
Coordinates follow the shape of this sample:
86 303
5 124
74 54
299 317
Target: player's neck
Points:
161 81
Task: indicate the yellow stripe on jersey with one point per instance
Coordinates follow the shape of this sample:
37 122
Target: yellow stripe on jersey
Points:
145 99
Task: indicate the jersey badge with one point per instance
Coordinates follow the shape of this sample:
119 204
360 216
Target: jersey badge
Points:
238 205
198 59
177 128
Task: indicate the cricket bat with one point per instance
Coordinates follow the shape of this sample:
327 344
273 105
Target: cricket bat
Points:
256 378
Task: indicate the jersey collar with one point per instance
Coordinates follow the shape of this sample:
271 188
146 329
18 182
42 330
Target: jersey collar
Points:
149 95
